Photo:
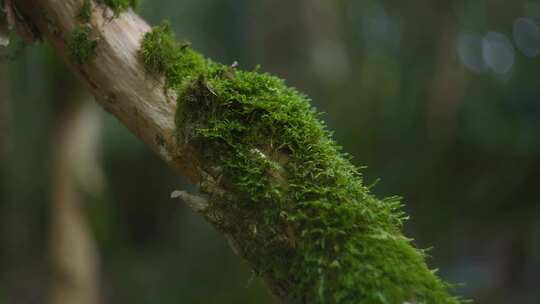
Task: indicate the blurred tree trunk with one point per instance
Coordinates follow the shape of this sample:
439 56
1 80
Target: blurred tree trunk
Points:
278 38
4 113
447 87
72 248
329 58
292 29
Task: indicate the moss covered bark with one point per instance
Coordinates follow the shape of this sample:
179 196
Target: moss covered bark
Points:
85 13
82 45
119 6
279 186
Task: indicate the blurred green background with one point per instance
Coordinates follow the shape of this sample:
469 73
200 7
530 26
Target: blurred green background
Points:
440 99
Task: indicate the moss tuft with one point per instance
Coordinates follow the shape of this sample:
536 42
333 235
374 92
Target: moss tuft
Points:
300 215
162 54
85 13
118 6
82 45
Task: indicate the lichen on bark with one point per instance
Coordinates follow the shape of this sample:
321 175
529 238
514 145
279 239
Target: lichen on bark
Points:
295 207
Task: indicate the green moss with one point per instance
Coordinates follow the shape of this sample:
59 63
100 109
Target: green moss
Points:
85 13
82 45
301 215
118 6
164 55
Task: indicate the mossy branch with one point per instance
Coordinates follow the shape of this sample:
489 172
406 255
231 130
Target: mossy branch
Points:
298 210
272 179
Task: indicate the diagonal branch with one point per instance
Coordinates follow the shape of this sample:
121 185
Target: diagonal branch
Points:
116 76
274 182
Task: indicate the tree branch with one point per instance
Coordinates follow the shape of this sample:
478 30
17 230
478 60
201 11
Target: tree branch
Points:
116 75
274 182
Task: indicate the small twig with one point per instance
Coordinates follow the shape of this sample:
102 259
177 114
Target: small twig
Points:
197 203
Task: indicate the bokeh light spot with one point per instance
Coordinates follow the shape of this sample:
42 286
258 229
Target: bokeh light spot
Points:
527 36
498 52
469 51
